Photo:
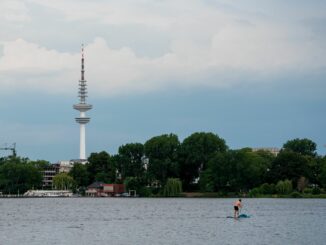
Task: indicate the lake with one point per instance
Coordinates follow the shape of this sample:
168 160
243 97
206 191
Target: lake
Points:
150 221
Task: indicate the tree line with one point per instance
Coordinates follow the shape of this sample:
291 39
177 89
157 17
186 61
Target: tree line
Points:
201 162
17 174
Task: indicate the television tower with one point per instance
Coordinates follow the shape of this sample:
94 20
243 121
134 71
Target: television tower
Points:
82 107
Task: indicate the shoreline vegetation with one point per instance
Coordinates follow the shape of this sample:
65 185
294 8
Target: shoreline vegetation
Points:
195 195
202 165
218 195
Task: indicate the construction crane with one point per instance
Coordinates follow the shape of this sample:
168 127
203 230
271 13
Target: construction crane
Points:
10 148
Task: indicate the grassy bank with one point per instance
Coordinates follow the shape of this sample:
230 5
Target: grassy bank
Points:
234 195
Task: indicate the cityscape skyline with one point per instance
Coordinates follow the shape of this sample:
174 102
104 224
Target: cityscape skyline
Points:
252 72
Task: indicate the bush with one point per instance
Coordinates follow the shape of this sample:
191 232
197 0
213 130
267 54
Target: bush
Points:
137 184
255 192
307 190
272 188
132 183
264 188
172 188
295 194
284 187
267 189
145 192
316 191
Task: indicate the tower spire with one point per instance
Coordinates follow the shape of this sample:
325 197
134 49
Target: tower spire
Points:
82 63
82 82
82 107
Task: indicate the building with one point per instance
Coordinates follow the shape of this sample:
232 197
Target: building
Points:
272 150
82 107
100 189
65 166
48 173
52 170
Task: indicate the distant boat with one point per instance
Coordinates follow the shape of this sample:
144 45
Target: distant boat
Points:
48 193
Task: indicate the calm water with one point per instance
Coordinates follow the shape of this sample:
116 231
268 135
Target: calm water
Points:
161 221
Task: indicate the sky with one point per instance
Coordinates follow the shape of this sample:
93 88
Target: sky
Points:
250 71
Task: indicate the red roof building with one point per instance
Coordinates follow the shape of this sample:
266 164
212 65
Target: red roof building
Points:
100 189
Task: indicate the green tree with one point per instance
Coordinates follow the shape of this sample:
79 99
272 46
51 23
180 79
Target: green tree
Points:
101 168
130 160
138 185
284 187
219 174
63 181
315 169
18 176
289 165
267 188
301 146
195 152
162 153
252 168
322 175
266 159
80 175
133 183
172 188
40 164
234 170
14 160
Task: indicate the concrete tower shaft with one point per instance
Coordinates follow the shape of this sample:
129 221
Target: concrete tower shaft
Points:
82 107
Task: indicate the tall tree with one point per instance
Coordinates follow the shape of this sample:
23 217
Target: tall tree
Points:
63 181
302 146
80 175
219 174
17 175
162 152
40 164
130 160
100 167
195 152
289 165
266 159
234 170
322 175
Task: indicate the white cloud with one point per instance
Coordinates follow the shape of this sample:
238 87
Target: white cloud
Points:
13 11
111 12
209 46
28 66
264 48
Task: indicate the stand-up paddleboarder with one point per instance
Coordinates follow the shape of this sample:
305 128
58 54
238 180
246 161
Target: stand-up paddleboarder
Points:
237 206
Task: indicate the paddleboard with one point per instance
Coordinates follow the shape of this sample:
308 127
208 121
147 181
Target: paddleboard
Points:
241 216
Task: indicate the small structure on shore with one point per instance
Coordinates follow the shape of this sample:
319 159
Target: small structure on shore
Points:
100 189
48 193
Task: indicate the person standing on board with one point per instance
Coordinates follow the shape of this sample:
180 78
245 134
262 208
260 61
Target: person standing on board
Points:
237 206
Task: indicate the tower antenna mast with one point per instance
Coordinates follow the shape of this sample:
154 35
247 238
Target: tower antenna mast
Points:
82 107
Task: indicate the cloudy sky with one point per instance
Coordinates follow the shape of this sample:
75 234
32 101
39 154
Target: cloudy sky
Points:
251 71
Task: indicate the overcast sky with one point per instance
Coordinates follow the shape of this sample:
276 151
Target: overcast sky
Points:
251 71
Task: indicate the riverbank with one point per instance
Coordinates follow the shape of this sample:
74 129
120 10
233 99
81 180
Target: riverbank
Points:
196 195
233 195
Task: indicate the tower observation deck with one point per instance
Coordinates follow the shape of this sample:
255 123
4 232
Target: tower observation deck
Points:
82 107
